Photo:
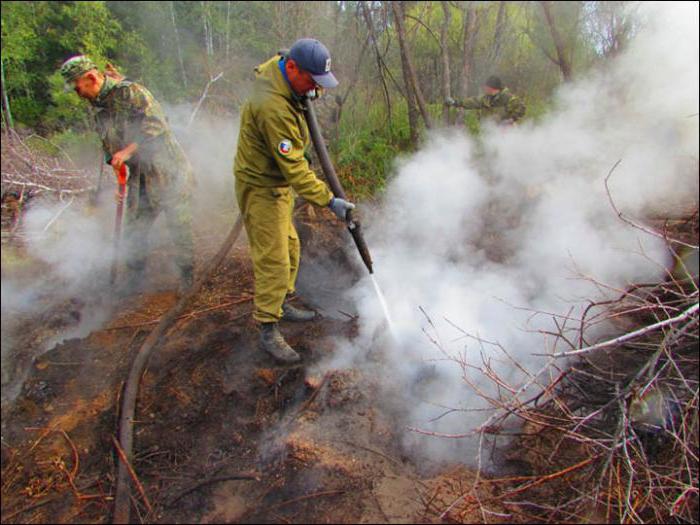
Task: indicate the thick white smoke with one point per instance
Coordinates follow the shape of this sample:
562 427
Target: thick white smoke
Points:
480 237
74 244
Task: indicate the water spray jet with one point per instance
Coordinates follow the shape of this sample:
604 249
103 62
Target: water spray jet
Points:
352 223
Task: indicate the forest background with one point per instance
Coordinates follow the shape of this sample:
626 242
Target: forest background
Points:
396 61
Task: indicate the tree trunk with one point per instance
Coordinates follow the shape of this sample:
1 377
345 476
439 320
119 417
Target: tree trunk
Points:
497 44
408 69
469 30
444 44
208 36
6 113
177 44
410 100
562 61
228 27
373 37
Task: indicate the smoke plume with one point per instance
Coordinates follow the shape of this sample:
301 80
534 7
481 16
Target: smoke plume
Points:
478 246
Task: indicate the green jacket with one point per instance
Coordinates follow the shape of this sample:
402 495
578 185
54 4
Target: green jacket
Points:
127 112
501 106
273 138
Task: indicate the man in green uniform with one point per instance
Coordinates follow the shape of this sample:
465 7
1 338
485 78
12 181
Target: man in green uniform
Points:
497 103
135 132
270 168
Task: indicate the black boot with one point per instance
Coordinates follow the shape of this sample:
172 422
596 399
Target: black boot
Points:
294 314
274 344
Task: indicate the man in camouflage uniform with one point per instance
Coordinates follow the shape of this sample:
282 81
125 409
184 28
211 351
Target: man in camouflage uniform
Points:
135 132
270 168
497 103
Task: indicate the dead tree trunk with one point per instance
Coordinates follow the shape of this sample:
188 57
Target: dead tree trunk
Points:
497 44
408 70
228 27
562 60
208 36
177 44
444 44
6 113
373 37
469 30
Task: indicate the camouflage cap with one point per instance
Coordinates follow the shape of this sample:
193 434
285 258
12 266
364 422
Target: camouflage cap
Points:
494 82
76 66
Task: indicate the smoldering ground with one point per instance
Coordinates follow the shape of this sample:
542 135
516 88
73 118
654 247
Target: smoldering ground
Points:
72 243
482 248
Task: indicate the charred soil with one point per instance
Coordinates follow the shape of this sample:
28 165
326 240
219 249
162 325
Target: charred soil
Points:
212 408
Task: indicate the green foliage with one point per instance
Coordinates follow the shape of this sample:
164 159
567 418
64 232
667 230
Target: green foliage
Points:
366 150
26 111
66 109
36 38
174 48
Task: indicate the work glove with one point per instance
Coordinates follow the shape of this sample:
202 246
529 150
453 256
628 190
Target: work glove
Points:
341 207
449 101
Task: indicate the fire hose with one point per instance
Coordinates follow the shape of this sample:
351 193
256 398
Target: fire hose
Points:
333 181
122 502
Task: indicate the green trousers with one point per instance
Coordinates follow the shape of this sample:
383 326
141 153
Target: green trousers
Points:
274 245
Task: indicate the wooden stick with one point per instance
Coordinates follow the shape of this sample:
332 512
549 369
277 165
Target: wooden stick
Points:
632 335
183 316
550 477
311 399
134 478
255 476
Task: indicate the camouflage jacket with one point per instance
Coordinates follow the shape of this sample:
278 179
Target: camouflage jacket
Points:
502 106
127 112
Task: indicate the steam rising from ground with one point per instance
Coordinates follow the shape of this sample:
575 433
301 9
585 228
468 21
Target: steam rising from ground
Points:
75 244
468 233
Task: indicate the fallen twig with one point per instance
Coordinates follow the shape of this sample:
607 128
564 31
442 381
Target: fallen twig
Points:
183 316
134 478
251 476
313 396
639 226
632 335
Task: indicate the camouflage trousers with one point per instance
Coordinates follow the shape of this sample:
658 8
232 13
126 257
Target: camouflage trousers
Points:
140 216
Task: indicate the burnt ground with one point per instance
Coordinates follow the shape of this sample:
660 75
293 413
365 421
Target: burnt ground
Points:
321 448
211 406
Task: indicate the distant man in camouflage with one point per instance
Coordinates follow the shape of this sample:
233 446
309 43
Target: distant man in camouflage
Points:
135 132
497 103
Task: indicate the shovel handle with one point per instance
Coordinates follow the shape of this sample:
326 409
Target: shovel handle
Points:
122 175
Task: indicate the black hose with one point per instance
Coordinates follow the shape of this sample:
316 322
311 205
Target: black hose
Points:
122 503
334 183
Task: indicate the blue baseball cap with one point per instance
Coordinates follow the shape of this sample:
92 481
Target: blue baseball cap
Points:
312 56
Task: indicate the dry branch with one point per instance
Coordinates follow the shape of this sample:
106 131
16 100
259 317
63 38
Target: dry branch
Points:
632 335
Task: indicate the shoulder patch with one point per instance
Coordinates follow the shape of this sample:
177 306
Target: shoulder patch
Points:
284 147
